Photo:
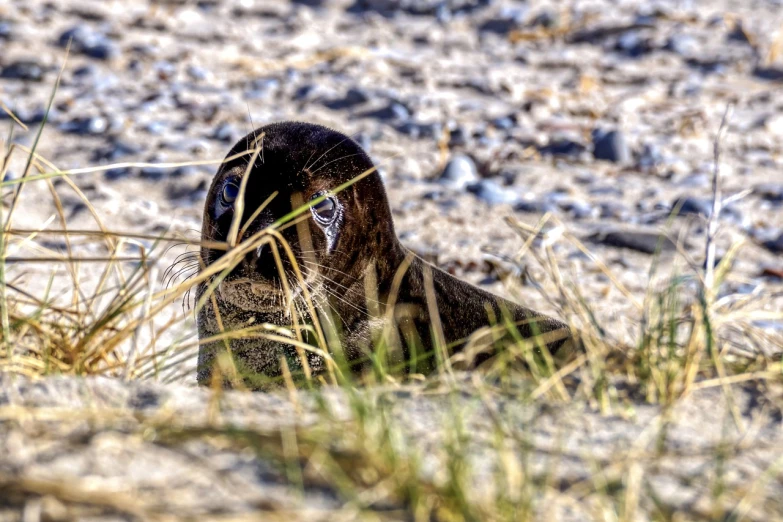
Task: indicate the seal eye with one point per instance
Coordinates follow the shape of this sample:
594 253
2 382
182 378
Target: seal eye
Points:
229 193
324 211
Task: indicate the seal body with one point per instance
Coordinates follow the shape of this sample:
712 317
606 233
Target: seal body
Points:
337 269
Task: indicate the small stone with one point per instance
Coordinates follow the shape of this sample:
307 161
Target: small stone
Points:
305 92
442 9
26 70
632 44
614 210
535 206
650 157
563 148
691 205
703 207
773 123
738 34
365 141
772 74
770 191
775 245
355 96
118 173
188 170
410 128
261 88
394 111
606 190
508 19
682 44
491 192
197 73
94 125
115 150
85 40
547 19
697 179
157 128
310 3
459 172
610 146
6 30
504 123
225 132
579 209
153 173
640 241
458 137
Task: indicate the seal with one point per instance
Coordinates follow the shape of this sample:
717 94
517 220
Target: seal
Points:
338 261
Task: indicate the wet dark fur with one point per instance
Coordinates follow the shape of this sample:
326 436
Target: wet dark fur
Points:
304 158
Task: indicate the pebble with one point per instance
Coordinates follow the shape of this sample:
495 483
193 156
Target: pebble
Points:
697 179
153 173
650 158
579 209
364 140
458 137
261 88
118 173
93 125
775 245
6 30
610 146
692 205
738 34
509 19
197 73
614 210
115 150
640 241
546 18
354 97
493 193
563 148
770 191
420 130
773 123
85 40
26 70
305 92
189 170
605 190
225 133
505 122
682 44
633 44
703 207
459 172
394 111
440 8
535 206
157 128
773 74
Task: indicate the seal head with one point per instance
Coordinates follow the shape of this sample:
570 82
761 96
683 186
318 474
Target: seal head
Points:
347 261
